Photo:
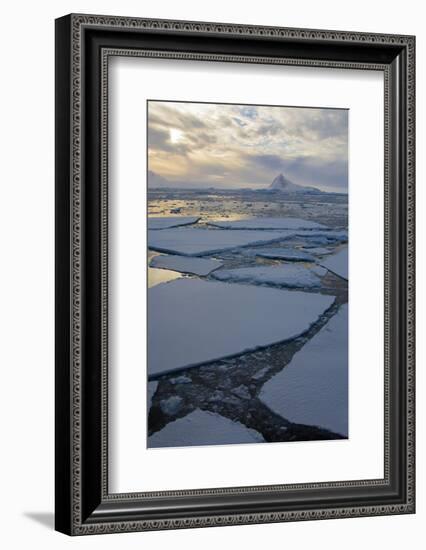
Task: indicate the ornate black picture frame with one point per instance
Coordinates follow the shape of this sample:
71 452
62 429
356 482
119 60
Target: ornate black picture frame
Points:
83 45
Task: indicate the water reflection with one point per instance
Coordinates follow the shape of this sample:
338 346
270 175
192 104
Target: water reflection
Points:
158 276
209 209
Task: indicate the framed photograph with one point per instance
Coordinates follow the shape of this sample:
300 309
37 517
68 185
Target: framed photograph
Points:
234 274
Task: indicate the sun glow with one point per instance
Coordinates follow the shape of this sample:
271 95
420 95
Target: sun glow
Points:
175 135
247 145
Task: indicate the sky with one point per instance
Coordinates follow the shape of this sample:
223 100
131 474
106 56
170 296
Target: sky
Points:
232 146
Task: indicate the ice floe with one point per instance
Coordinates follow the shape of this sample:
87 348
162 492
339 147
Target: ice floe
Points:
268 223
318 270
199 242
313 388
315 241
289 275
182 379
193 321
290 254
318 250
171 405
242 392
203 428
260 374
324 236
183 264
338 263
173 221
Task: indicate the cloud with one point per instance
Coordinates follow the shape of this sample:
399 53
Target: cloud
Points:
269 162
330 175
237 145
248 112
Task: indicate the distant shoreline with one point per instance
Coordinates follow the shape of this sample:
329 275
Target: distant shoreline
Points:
244 190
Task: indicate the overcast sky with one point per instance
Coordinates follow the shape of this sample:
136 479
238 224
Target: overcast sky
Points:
212 145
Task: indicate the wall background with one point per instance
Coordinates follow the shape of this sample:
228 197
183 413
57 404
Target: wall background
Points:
26 289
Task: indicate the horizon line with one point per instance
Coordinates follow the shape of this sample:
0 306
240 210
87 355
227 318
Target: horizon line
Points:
269 190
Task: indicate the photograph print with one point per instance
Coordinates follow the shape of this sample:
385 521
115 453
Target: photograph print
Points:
247 274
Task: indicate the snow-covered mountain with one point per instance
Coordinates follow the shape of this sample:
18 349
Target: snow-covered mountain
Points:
281 183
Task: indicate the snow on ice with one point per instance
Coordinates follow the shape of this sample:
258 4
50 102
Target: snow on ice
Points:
289 275
203 428
195 266
199 242
174 221
338 263
193 321
313 388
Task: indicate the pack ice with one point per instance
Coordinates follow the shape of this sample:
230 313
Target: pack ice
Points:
318 250
289 275
183 264
192 321
338 263
152 388
268 223
173 221
290 254
190 241
313 388
203 428
323 236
